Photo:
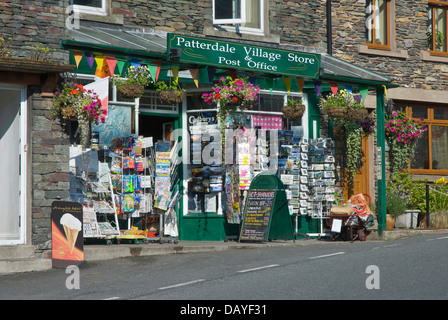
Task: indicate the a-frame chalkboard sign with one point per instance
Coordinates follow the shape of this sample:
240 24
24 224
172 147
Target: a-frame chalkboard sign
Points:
266 214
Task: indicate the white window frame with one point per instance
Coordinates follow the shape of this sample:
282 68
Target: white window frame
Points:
92 10
244 30
234 20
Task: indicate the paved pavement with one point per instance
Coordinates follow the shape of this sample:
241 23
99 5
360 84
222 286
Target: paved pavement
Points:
93 252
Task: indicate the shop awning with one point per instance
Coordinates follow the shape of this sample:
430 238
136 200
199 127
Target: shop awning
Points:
146 45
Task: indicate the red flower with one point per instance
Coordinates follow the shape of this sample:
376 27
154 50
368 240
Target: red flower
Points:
235 99
218 96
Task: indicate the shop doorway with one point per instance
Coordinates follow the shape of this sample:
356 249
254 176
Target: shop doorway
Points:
12 165
157 127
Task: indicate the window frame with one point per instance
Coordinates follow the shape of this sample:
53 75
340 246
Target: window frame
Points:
92 10
233 20
373 44
429 122
433 5
235 27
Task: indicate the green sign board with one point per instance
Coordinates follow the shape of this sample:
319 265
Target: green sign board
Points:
243 56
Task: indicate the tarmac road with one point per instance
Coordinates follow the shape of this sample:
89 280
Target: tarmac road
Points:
409 268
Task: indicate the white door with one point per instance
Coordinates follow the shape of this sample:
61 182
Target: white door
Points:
12 165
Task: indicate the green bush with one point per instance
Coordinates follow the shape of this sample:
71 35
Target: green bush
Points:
395 205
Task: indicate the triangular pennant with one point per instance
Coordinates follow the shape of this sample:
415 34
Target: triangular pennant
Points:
300 83
334 87
120 64
349 88
158 64
152 71
135 63
253 80
287 82
78 57
357 98
211 74
111 62
175 71
363 93
194 73
317 85
90 58
99 61
270 83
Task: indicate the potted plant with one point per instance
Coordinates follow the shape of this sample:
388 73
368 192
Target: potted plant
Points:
72 102
294 109
395 206
171 94
356 112
231 95
335 105
134 83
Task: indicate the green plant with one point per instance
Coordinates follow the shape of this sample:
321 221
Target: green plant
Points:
440 192
134 75
395 206
40 53
4 47
161 86
294 101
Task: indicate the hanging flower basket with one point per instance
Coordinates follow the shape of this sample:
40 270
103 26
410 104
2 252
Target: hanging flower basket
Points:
356 114
336 112
131 90
68 112
171 96
293 112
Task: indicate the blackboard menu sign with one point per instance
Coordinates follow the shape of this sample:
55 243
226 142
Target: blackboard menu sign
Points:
257 215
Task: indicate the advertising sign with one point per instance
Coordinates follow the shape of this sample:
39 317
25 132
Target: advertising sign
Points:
236 55
67 234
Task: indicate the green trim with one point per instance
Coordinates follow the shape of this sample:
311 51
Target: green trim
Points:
381 138
357 81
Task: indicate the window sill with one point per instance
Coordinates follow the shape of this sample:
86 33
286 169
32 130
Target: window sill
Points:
112 19
232 34
427 56
400 54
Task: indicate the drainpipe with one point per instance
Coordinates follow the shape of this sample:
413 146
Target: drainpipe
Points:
329 31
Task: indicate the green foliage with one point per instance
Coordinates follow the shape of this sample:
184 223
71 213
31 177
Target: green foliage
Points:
134 75
395 205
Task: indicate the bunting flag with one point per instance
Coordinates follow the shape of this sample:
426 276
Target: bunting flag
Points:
211 74
287 82
120 64
300 83
334 87
152 71
90 58
253 80
349 88
175 71
101 88
78 57
99 61
270 83
158 65
135 63
317 85
111 63
363 93
358 98
194 73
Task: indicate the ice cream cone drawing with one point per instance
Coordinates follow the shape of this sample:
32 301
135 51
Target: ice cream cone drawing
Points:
72 226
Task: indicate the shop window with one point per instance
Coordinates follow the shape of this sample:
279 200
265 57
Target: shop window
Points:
431 156
244 16
437 27
97 7
378 24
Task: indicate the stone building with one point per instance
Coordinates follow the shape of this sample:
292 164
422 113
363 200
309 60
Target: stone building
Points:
299 26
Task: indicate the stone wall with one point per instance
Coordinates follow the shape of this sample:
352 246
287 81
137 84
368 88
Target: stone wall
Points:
29 23
50 165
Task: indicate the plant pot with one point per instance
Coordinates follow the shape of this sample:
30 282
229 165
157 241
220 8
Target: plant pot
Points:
131 91
336 112
390 222
356 114
171 96
293 112
407 220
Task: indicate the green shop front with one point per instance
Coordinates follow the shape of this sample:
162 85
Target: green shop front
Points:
212 188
